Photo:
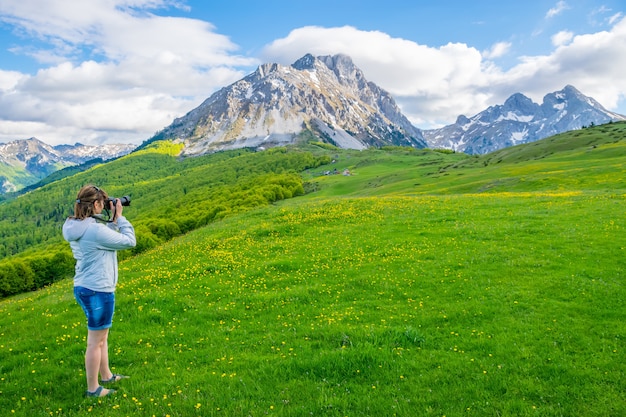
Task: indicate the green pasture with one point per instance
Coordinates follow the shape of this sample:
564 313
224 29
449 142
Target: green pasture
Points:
589 160
498 305
423 284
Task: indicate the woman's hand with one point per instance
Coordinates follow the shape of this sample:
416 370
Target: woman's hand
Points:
117 208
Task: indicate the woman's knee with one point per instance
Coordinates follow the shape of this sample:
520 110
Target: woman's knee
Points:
96 338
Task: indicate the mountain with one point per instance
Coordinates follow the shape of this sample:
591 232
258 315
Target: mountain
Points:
520 120
326 97
25 162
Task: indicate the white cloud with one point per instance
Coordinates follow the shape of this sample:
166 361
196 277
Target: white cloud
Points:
497 50
562 38
593 63
149 70
124 102
556 10
8 80
614 18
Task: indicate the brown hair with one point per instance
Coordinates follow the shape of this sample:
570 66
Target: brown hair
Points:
86 197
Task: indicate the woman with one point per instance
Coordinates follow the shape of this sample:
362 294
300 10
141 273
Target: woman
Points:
95 242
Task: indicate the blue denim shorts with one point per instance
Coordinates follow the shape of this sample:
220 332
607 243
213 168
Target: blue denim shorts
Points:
98 307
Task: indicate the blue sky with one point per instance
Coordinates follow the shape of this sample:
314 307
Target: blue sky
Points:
119 70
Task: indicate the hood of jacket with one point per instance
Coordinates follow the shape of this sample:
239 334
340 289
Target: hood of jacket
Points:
74 229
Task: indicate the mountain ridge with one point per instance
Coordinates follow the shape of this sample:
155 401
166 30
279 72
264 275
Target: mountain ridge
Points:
519 120
276 104
24 162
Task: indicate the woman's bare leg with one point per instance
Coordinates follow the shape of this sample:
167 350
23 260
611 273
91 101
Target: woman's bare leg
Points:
96 358
105 371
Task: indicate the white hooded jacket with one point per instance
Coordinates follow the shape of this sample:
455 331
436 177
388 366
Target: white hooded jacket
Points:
95 245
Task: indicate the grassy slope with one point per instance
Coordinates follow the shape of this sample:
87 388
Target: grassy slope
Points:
590 159
15 176
433 286
159 183
55 176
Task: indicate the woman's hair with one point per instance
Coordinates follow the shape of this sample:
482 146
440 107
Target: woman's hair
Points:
88 195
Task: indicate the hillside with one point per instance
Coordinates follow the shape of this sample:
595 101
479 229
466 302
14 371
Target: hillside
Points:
176 195
590 159
424 283
172 196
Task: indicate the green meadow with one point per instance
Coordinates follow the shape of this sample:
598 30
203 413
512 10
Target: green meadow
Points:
423 284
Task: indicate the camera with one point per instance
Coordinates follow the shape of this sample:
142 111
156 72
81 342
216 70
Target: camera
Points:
125 201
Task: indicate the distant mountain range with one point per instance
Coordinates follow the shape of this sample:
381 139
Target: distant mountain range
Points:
520 120
24 162
324 98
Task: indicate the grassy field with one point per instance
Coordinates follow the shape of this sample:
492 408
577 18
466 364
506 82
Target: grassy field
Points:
478 288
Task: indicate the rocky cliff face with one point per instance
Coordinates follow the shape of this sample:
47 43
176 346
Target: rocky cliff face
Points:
327 97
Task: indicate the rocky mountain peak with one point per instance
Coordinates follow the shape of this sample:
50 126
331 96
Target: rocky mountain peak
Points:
305 63
341 65
266 69
519 103
462 120
26 149
326 96
571 91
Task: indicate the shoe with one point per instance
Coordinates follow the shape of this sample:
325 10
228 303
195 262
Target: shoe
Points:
98 392
114 378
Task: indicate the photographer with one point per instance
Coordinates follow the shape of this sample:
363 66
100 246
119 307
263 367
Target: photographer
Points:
94 242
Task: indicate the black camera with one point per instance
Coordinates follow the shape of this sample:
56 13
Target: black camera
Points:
125 201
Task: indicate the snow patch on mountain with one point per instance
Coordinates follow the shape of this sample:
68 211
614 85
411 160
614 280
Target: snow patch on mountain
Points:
518 137
513 116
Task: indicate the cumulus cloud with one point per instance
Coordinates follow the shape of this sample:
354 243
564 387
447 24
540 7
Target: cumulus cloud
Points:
593 63
116 71
8 80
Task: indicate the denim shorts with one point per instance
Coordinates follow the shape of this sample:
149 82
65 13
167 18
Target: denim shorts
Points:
98 307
